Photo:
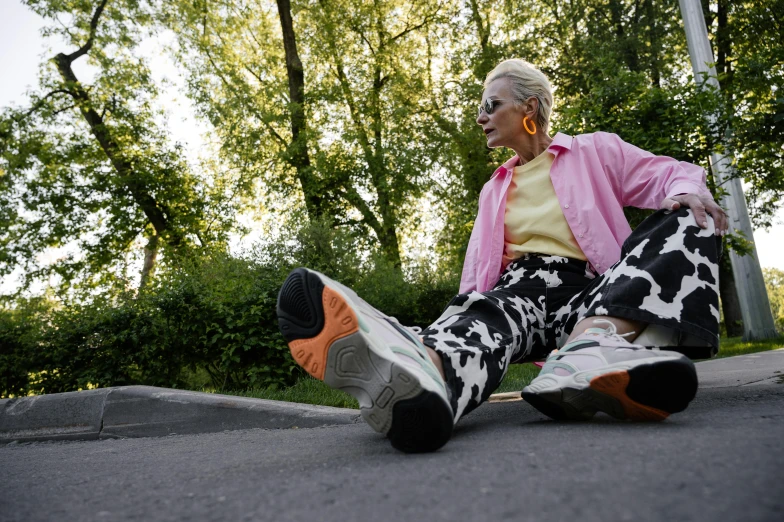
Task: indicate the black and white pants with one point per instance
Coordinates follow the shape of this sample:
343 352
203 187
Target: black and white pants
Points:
667 276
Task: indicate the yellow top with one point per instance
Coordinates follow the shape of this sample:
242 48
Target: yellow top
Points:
534 221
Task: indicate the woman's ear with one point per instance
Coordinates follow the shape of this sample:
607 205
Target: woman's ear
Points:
531 106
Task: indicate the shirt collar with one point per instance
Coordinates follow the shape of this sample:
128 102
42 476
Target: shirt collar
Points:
510 164
560 141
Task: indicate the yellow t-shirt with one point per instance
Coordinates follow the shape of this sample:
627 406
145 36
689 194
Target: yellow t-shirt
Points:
534 221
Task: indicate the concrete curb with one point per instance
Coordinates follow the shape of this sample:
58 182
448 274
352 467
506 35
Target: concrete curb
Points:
146 411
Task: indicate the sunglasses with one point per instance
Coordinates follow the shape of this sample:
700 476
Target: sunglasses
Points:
488 106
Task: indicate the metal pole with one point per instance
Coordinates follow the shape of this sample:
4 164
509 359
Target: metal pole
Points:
754 305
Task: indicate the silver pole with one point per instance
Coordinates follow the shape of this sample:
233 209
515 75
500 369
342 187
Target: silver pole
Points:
754 305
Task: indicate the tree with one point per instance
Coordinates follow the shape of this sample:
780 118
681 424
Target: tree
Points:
357 120
87 163
749 49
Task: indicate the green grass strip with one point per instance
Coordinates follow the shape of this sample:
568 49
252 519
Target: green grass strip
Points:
306 390
732 346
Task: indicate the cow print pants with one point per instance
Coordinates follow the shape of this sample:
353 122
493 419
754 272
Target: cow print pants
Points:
667 275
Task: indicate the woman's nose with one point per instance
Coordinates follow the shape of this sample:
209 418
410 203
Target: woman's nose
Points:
482 118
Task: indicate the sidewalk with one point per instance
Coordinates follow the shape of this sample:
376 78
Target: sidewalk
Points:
144 411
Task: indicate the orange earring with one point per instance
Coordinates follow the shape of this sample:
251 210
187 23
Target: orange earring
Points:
525 124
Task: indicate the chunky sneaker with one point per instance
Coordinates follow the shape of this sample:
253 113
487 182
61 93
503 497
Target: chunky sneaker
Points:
601 371
339 338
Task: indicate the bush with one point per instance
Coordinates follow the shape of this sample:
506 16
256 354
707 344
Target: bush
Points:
18 334
215 316
207 323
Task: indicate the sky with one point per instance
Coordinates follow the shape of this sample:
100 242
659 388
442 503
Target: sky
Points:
22 50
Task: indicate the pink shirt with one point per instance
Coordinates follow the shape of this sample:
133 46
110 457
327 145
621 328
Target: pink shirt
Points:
594 177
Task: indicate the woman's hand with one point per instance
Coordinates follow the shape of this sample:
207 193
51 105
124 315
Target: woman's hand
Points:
701 206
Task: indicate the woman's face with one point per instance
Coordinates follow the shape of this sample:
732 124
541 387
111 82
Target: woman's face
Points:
504 127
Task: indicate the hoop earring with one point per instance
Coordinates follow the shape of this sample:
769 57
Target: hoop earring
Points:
525 124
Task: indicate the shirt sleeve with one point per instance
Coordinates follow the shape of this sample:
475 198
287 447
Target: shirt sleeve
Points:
468 278
647 179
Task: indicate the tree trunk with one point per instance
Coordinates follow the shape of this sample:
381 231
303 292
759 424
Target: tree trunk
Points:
723 50
139 192
628 47
653 38
150 257
298 153
730 303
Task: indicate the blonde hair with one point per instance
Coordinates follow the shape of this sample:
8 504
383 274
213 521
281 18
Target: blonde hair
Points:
526 81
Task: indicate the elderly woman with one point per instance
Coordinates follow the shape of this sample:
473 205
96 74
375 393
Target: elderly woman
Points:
553 271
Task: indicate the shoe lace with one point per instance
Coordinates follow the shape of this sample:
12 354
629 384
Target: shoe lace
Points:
611 331
416 330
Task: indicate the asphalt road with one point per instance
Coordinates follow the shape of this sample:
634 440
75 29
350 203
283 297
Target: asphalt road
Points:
722 459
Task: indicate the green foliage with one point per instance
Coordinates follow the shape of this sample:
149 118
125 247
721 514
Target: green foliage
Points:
774 284
387 122
213 316
216 315
19 335
750 65
90 165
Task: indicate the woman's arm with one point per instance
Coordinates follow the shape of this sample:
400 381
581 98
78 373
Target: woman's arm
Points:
650 181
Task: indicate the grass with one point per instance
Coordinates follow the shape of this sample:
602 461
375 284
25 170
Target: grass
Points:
306 390
312 391
731 346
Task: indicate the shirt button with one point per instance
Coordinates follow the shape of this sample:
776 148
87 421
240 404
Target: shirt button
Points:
581 235
566 206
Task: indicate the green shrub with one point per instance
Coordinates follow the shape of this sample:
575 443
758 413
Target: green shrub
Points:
204 323
18 332
216 315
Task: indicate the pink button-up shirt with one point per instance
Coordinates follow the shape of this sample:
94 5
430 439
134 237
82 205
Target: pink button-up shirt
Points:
594 177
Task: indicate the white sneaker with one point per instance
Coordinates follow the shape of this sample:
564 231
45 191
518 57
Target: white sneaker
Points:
599 370
339 338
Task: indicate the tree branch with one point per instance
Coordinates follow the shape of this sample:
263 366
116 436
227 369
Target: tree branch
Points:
64 109
231 89
41 101
141 194
412 28
93 27
480 28
364 38
353 198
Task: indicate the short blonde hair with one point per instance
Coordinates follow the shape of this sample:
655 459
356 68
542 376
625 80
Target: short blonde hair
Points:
526 81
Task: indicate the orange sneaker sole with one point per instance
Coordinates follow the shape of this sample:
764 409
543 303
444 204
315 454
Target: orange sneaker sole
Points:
615 384
339 321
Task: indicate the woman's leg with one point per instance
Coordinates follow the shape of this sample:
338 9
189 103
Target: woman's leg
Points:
667 275
436 361
480 334
339 338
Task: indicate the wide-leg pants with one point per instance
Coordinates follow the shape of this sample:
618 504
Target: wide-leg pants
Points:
667 276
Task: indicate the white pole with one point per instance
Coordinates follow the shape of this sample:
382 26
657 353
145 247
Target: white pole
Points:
754 305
